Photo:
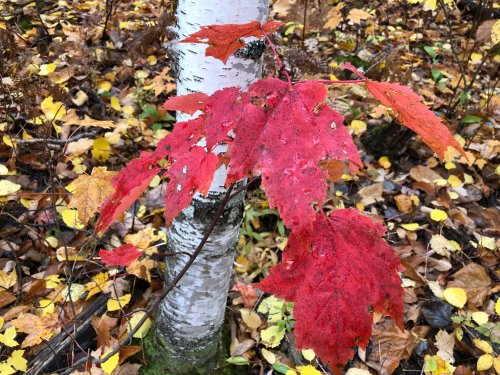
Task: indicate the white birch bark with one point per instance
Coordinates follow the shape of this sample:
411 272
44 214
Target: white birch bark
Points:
191 316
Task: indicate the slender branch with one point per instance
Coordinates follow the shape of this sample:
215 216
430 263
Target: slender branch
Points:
56 141
168 289
281 66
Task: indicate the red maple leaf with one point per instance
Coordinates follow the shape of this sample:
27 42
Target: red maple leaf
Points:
121 256
224 40
134 179
129 184
285 140
412 113
189 103
336 273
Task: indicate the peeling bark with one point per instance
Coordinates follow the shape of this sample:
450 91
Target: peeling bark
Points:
189 321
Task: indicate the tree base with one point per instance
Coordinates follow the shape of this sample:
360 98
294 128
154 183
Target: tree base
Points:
164 358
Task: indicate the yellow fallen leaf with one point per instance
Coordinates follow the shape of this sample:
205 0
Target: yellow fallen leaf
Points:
358 126
384 162
17 361
454 181
483 345
118 304
480 317
70 218
484 362
269 356
308 370
115 103
497 307
272 336
7 338
46 69
410 226
438 215
101 149
53 281
97 284
152 60
308 354
7 187
7 279
89 192
3 170
111 363
495 32
47 306
69 254
6 369
251 318
52 110
134 321
73 292
487 242
455 296
103 86
496 361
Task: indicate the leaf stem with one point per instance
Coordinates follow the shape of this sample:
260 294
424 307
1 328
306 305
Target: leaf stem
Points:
281 66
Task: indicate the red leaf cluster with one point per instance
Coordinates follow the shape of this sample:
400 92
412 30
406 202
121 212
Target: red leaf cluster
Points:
337 269
336 273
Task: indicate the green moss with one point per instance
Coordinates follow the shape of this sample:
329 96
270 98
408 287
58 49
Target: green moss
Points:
163 358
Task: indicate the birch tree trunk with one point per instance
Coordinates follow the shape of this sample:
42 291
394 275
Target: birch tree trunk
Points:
189 321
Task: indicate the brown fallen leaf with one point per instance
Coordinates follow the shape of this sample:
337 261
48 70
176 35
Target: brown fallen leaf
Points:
358 15
38 329
404 203
89 192
421 173
475 281
391 346
371 194
334 17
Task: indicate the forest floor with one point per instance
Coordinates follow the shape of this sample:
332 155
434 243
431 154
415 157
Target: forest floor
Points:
81 89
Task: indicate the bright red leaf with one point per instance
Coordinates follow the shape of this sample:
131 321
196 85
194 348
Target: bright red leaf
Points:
412 113
285 140
336 274
121 256
224 40
189 103
129 184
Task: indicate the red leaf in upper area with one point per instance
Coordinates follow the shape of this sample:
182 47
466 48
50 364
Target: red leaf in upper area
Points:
129 184
190 173
285 141
121 256
335 273
224 40
189 103
412 113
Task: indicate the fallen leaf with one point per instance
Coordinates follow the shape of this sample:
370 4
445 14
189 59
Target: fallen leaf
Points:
358 15
455 296
334 18
89 192
38 329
